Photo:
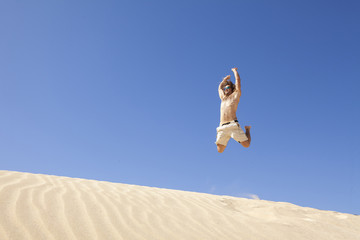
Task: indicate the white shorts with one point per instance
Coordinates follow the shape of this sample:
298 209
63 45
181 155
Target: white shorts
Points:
231 130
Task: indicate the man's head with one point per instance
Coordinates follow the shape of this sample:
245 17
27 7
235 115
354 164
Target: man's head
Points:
228 88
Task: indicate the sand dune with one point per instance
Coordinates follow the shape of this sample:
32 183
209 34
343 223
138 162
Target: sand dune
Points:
37 207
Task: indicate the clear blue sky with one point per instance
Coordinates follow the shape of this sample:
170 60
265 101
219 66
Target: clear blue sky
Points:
126 91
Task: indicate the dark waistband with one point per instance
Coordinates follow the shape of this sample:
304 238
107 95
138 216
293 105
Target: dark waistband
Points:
229 122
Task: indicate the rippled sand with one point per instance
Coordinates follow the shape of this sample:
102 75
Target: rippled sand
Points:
34 206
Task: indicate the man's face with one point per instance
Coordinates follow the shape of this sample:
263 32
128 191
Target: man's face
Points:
227 90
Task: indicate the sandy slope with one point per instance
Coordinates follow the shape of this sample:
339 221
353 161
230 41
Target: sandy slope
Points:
40 207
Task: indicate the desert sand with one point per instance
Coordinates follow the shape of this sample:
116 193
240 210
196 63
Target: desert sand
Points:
43 207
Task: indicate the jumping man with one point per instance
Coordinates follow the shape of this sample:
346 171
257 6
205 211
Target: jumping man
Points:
229 125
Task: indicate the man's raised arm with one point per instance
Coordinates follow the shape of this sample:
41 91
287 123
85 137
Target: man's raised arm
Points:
237 82
222 85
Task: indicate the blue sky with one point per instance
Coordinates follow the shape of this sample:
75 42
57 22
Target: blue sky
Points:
126 91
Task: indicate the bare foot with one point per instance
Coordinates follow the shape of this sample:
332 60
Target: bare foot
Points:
226 78
234 69
247 128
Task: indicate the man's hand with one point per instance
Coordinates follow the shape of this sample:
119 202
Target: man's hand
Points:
234 69
226 78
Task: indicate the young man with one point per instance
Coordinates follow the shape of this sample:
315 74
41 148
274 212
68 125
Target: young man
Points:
229 126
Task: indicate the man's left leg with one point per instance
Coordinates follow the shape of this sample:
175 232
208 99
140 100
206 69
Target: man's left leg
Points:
247 133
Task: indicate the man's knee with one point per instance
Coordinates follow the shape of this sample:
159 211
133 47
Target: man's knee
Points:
220 148
245 143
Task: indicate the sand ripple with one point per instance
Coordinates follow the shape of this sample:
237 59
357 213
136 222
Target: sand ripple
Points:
35 206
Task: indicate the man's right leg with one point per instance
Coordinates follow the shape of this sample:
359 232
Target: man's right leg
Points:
220 148
222 138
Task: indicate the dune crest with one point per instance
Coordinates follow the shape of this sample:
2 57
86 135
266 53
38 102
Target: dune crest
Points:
35 206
